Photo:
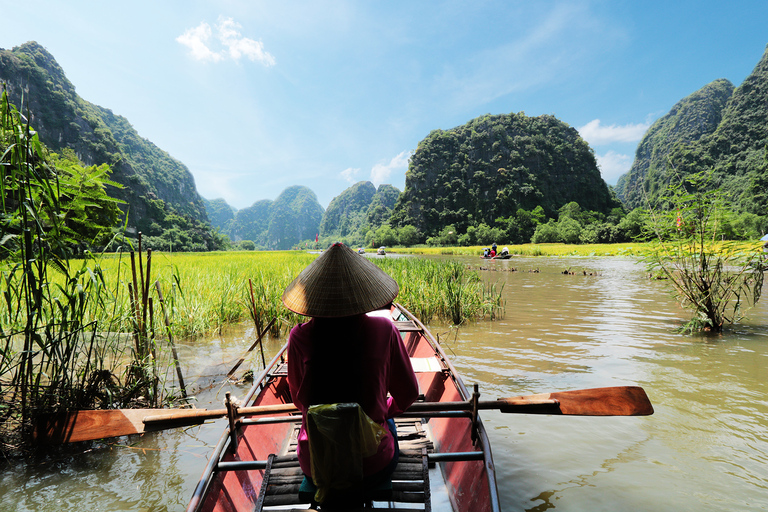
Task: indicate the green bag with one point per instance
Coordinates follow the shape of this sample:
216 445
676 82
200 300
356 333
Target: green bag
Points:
340 437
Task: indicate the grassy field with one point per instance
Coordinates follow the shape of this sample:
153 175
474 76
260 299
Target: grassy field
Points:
553 250
204 292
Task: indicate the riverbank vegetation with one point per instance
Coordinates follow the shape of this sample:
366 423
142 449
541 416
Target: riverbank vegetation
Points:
718 280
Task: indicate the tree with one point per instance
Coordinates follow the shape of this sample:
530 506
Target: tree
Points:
632 227
568 230
546 233
408 235
715 279
385 235
487 235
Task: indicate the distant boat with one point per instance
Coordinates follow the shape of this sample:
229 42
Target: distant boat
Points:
381 251
361 251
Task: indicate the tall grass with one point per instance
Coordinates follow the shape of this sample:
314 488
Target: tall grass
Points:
206 291
443 290
53 353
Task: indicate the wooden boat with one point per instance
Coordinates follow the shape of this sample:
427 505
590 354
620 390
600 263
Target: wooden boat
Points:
382 251
445 455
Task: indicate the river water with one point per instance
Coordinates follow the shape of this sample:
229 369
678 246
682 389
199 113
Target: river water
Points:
704 449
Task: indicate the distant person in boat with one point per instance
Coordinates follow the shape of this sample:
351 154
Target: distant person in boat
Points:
493 248
493 251
342 355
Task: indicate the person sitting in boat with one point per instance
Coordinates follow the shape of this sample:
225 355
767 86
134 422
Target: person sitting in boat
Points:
341 355
505 251
486 253
493 251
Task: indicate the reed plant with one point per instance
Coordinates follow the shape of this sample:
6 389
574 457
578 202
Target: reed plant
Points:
443 290
52 355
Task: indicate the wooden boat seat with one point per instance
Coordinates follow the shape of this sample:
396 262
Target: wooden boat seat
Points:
380 492
410 481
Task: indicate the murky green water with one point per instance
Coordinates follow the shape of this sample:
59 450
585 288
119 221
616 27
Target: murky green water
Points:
705 448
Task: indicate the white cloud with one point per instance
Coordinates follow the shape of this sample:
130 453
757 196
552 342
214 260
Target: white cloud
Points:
380 173
349 174
612 165
597 134
196 39
232 45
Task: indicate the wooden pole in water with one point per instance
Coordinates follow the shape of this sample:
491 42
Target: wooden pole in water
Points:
170 340
261 346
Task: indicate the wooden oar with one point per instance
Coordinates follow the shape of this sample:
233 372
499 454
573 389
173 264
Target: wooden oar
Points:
87 425
98 424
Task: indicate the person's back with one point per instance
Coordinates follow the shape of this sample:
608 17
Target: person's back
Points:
353 359
344 356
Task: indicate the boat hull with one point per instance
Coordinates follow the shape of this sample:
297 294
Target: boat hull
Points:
471 484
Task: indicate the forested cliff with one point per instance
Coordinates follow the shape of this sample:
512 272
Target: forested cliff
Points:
280 224
718 128
159 191
690 119
495 165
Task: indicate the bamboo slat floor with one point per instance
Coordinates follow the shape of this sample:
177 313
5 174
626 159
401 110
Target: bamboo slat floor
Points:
410 481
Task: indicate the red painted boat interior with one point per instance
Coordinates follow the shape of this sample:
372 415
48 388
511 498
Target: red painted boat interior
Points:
467 481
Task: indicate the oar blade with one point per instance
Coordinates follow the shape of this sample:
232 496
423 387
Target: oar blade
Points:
71 427
610 401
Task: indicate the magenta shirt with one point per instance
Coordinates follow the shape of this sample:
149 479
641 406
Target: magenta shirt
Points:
385 368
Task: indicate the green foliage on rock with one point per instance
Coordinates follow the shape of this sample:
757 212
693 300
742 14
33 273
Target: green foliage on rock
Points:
220 213
493 166
717 128
281 224
154 184
689 120
294 216
346 214
358 210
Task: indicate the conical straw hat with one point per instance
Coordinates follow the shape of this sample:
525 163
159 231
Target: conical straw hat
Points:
339 283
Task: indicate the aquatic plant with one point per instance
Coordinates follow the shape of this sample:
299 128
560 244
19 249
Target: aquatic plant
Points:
717 280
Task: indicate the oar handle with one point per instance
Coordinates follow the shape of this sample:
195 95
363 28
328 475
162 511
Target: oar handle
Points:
200 415
520 404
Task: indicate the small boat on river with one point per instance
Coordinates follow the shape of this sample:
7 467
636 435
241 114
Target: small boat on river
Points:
445 456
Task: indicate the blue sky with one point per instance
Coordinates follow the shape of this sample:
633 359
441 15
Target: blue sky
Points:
257 96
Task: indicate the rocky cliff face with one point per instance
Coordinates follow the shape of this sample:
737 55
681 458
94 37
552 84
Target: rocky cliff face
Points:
64 120
717 128
692 118
346 213
493 165
280 224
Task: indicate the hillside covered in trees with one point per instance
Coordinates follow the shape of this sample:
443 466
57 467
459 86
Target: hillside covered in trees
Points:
690 119
280 224
493 166
718 128
159 192
354 215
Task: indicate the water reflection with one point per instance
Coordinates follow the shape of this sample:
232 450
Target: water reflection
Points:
705 448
